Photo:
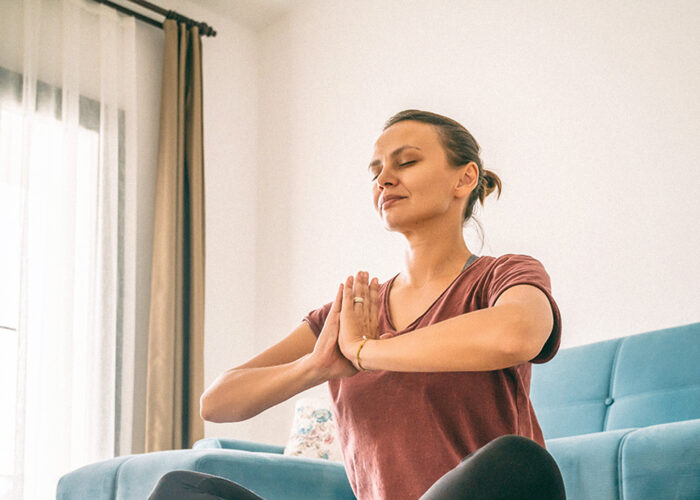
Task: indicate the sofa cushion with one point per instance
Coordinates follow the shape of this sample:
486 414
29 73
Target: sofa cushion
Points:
656 378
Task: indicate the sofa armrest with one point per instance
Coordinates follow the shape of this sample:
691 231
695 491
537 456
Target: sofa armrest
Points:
96 480
658 461
236 444
269 475
586 456
661 461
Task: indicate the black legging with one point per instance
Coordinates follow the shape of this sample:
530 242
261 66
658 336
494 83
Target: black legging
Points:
509 467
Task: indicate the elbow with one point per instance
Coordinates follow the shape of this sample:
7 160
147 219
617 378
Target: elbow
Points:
512 339
204 409
515 355
209 412
520 348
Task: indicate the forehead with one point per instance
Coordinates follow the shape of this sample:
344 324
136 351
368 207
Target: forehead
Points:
410 132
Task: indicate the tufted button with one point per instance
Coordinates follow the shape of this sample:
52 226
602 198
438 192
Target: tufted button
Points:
609 401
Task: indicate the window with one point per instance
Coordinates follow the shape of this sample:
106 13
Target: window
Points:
47 126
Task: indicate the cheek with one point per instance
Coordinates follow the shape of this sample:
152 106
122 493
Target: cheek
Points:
433 195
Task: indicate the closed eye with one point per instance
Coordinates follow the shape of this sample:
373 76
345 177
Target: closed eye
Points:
401 165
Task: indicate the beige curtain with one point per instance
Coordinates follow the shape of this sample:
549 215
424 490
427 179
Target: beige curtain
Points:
175 379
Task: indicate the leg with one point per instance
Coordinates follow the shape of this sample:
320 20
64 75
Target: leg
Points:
510 467
191 485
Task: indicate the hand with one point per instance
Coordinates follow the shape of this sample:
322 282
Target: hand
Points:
326 356
358 319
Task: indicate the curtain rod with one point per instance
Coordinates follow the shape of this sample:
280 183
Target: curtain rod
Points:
204 28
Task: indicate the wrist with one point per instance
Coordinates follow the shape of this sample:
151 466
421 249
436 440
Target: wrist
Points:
311 369
348 349
359 349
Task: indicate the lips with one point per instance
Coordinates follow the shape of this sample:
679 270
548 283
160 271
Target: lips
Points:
391 200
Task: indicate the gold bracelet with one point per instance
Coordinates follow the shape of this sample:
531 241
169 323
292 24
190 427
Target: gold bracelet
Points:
358 352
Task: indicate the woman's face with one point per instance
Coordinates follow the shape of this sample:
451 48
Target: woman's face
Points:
409 161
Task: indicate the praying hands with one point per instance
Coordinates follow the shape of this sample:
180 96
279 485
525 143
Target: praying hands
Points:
358 318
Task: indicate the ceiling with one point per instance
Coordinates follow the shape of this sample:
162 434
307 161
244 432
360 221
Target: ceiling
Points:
254 14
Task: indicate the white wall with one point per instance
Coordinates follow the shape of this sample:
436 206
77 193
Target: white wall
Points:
588 113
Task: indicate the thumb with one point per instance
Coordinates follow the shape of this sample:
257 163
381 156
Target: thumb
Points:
335 308
334 313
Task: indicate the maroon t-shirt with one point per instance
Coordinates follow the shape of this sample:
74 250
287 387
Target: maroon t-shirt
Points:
401 431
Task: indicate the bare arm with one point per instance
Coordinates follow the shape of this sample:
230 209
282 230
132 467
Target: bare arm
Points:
270 378
510 333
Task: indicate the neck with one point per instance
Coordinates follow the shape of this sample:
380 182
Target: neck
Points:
430 262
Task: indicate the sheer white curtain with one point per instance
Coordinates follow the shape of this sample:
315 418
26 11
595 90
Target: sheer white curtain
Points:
67 237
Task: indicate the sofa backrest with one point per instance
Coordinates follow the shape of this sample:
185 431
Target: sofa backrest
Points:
627 382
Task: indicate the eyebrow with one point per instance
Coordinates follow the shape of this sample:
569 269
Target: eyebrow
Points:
396 151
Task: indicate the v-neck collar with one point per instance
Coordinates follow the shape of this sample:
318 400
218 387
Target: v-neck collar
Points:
387 310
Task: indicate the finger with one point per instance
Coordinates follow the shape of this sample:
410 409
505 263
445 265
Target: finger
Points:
335 308
347 294
374 306
365 287
334 314
333 320
361 306
366 306
356 292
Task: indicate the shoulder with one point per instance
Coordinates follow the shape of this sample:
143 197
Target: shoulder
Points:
510 269
511 261
512 258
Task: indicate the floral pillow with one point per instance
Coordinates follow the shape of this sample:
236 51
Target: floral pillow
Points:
314 433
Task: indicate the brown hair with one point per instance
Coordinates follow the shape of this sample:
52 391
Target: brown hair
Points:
460 148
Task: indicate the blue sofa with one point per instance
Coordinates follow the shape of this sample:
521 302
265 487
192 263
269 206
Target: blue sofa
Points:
621 418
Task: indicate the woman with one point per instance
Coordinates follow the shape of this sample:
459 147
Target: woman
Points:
441 408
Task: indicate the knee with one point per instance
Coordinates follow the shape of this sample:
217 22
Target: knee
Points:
166 487
174 479
532 457
514 445
175 475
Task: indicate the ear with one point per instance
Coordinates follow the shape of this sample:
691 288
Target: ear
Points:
468 179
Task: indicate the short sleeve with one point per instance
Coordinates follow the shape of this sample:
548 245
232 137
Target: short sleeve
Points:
317 318
516 269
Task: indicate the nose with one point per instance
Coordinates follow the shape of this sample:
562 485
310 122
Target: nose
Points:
384 174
